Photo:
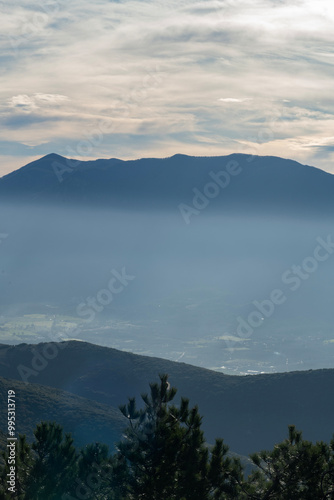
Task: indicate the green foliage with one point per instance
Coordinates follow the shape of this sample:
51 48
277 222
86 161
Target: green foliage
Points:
166 453
24 465
54 465
163 456
100 476
295 469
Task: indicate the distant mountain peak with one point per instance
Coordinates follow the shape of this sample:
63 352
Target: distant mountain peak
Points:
53 156
240 182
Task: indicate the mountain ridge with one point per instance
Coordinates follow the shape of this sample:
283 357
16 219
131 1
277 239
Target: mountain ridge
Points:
249 412
87 420
242 182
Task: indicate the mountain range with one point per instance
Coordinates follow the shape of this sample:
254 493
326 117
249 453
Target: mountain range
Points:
83 385
242 182
69 224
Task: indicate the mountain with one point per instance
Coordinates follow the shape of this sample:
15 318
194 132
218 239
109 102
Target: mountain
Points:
249 412
88 421
63 232
59 242
235 182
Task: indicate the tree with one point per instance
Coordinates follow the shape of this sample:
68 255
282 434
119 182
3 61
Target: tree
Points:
295 469
163 456
23 467
54 463
166 454
100 476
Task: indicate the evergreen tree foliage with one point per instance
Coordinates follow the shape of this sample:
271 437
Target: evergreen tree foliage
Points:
54 464
163 456
23 465
100 476
166 453
295 469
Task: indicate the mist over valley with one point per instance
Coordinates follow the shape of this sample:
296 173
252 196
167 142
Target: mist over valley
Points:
198 285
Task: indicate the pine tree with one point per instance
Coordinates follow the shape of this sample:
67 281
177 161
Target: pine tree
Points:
54 465
166 453
100 476
163 456
295 469
23 468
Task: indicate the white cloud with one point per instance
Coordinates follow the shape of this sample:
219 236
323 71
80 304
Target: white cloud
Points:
50 98
156 70
232 99
24 102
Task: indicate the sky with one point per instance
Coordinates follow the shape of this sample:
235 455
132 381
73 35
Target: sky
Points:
133 79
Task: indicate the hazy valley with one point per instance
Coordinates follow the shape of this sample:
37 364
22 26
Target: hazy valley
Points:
195 275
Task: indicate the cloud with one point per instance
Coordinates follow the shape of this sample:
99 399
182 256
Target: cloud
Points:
24 120
156 70
29 103
232 99
325 149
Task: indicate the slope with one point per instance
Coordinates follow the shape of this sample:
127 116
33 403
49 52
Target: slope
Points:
249 412
88 421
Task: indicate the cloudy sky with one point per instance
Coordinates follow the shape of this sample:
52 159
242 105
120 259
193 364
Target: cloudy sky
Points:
132 79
